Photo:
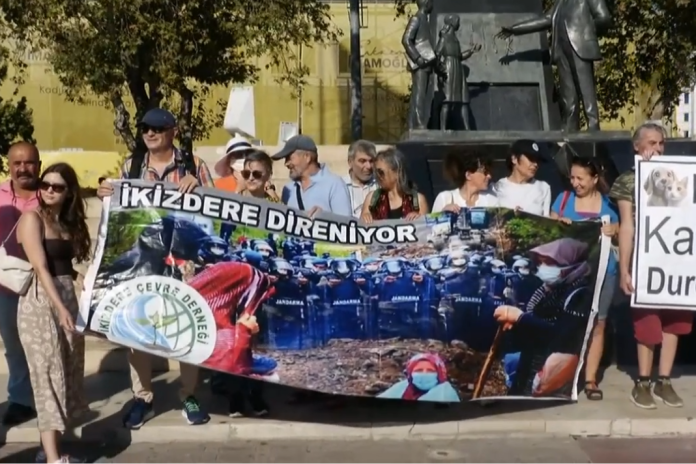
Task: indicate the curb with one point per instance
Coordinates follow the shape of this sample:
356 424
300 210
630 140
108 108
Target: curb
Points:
263 430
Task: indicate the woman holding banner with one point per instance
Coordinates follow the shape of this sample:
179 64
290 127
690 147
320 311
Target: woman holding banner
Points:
588 200
471 173
52 236
396 197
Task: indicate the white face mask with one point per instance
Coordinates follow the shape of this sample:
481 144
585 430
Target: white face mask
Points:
549 274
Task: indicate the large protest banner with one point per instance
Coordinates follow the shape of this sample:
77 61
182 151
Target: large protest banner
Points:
663 255
487 303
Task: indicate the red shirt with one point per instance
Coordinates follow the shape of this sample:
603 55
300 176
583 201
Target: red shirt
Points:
11 208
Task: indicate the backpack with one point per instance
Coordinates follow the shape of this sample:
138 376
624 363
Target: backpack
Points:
138 157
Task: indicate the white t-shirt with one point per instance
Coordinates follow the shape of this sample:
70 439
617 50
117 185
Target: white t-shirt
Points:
532 197
453 196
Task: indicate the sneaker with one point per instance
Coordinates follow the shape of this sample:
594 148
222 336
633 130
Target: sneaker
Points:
192 412
140 412
641 395
41 458
17 414
663 390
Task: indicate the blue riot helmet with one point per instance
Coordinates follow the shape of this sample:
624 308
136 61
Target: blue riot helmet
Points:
497 266
517 257
521 266
281 267
307 263
263 248
342 267
206 224
371 264
252 257
394 266
213 248
457 258
434 263
319 264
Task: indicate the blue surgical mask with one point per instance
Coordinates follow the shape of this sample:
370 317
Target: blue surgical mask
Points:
549 274
424 381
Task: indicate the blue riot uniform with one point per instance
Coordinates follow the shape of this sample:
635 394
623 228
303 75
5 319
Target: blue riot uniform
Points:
345 314
286 311
460 306
406 303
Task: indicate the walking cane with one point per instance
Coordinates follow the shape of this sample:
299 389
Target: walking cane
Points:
483 376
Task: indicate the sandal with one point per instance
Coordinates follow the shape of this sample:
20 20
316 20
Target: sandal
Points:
592 392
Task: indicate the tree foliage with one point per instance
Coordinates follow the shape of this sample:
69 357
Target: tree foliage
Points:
167 54
649 54
15 115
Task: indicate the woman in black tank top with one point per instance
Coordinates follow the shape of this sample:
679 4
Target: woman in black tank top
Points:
52 237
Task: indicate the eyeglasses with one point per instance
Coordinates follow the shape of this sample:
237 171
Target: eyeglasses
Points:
255 174
156 130
57 188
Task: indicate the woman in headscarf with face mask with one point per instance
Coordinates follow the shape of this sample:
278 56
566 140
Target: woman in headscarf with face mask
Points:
552 327
426 380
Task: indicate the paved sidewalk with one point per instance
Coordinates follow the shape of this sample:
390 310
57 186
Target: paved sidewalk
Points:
531 449
365 418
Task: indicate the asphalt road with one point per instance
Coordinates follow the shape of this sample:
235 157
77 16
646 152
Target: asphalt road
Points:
533 449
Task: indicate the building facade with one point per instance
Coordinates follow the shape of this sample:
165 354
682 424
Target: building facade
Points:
685 114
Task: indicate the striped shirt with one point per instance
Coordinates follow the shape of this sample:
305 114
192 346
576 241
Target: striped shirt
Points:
359 194
174 172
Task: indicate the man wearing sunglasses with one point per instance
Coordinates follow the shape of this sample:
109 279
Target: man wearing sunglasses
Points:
165 163
17 195
313 188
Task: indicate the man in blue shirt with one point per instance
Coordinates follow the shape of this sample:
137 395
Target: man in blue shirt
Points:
313 188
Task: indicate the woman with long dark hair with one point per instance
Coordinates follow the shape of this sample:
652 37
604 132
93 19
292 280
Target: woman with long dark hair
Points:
588 200
396 197
53 236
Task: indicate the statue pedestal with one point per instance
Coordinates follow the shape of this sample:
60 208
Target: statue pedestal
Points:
426 150
511 84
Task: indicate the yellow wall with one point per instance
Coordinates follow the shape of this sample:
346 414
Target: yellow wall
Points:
326 99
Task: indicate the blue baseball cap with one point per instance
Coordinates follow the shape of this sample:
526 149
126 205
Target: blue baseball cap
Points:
159 118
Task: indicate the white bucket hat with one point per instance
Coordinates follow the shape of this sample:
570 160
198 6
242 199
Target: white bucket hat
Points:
237 146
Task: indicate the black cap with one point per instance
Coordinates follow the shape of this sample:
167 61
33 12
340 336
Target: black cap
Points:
297 142
528 148
158 117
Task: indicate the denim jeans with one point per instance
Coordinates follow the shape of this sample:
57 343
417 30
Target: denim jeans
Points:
19 385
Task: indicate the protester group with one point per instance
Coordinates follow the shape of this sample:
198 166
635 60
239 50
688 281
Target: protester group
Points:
43 221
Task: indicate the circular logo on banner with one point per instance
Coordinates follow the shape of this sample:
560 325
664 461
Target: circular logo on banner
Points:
159 315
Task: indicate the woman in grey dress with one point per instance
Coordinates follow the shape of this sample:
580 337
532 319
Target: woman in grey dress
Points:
52 237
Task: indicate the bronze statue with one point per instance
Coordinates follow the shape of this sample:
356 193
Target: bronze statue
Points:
421 60
574 49
452 78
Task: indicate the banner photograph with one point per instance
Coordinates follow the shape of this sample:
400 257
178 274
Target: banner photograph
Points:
487 303
663 254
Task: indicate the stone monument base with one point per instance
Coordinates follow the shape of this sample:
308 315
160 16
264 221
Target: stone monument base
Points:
426 151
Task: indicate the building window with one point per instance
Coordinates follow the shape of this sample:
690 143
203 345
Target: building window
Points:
686 98
686 117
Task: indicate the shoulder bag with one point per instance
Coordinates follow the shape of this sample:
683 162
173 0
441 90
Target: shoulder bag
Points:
16 274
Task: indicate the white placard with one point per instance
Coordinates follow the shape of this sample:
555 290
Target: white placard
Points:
664 264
